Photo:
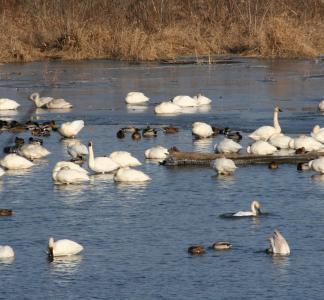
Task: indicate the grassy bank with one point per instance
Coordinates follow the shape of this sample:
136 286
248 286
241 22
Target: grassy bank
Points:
153 29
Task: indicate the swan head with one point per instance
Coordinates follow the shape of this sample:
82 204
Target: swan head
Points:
255 207
90 144
277 109
316 128
34 96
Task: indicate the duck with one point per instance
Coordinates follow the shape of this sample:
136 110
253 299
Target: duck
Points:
278 244
202 100
149 132
227 146
321 105
10 149
261 148
120 134
317 165
5 212
318 133
196 250
224 166
71 129
308 142
8 104
62 247
202 130
280 141
265 132
127 174
303 166
6 252
255 211
15 162
273 165
77 150
235 136
184 101
65 175
167 107
49 102
35 141
222 245
40 132
136 135
157 152
170 129
129 129
135 98
100 164
124 159
33 151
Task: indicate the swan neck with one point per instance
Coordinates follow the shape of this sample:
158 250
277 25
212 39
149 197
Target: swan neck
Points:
91 157
276 121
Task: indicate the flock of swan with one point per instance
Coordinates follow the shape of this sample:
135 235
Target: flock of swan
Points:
268 140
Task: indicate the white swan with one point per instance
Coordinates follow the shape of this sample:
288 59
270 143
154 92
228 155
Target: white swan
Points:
67 164
101 164
6 252
202 130
124 159
202 100
184 101
15 162
157 152
308 142
318 133
130 175
265 132
255 211
136 97
261 148
33 151
63 247
224 166
8 104
167 108
317 165
280 140
77 150
71 129
321 105
278 244
65 175
227 146
49 102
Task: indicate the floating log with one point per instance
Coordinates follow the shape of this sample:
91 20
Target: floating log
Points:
179 158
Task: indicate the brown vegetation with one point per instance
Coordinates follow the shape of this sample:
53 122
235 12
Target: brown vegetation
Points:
153 29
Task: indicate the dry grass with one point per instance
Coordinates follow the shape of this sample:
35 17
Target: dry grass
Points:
153 29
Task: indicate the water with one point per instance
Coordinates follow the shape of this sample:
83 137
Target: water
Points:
135 237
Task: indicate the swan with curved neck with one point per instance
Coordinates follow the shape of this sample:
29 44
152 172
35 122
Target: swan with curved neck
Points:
255 210
265 132
62 248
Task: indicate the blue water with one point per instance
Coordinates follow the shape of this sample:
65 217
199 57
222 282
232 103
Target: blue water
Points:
135 236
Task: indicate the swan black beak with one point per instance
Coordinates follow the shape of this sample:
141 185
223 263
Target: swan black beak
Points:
50 255
280 109
259 211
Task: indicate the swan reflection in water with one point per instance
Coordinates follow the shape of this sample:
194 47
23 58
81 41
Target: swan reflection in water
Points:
6 261
131 190
72 193
66 264
203 145
7 114
136 108
52 110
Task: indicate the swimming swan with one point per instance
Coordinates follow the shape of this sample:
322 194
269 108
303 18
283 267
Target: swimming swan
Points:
202 130
255 211
77 150
278 244
317 165
124 159
265 132
49 102
261 148
157 152
202 100
33 151
70 165
62 248
167 108
227 146
318 133
15 162
130 175
8 104
184 101
65 175
6 252
71 129
101 164
224 166
135 98
280 141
